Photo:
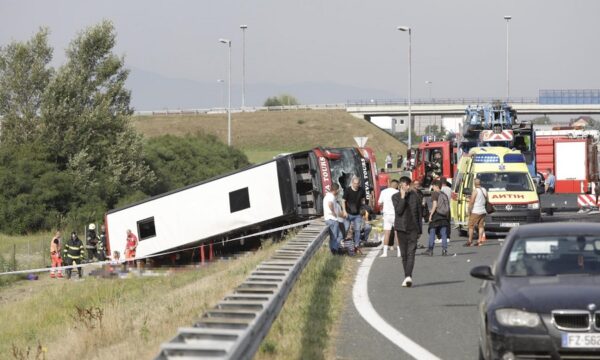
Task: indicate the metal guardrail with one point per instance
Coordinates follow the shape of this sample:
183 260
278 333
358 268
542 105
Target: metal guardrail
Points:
236 326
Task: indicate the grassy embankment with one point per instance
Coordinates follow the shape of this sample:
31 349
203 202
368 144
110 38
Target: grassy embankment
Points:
261 135
23 252
129 318
121 318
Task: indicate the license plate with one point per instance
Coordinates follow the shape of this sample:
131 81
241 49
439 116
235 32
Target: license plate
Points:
509 224
570 340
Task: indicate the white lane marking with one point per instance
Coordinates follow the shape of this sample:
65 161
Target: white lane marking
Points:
360 295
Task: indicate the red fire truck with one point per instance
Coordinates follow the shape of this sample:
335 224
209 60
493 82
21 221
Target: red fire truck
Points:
425 157
572 155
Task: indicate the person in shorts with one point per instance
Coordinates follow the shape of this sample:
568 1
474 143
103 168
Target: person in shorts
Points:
477 212
385 199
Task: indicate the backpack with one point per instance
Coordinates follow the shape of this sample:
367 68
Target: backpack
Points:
443 205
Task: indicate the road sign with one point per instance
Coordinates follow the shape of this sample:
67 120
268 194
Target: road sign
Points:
361 140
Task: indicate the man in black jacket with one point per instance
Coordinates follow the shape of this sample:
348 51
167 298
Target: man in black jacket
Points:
407 206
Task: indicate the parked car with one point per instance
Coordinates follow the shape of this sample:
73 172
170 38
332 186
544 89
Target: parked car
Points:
541 298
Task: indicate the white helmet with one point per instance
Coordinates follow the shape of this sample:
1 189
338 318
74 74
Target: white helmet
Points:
92 227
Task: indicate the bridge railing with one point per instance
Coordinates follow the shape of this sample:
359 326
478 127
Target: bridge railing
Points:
220 110
441 101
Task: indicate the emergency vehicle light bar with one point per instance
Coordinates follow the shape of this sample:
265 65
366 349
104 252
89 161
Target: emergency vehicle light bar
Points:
486 158
514 158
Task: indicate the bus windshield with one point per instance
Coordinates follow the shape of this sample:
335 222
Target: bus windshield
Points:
505 181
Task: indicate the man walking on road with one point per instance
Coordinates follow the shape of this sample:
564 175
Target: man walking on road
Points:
407 206
331 218
385 199
477 212
438 219
354 198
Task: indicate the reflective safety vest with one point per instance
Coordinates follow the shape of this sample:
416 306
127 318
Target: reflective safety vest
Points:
101 242
74 249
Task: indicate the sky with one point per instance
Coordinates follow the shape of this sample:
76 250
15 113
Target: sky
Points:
458 45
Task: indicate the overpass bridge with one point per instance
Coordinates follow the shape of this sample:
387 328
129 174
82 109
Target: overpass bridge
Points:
365 109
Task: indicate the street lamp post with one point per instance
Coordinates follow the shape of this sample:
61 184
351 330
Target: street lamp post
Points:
507 18
222 82
228 42
429 83
406 28
243 27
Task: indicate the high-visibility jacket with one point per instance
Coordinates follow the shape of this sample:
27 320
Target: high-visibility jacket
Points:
54 248
102 242
74 249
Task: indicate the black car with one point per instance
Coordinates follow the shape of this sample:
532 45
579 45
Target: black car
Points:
542 296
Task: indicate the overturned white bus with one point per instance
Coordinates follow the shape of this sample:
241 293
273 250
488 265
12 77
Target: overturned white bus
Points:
287 189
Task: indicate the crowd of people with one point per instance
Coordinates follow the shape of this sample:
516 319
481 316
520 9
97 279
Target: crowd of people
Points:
404 211
75 253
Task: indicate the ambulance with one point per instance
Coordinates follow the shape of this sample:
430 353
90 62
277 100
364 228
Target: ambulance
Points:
511 190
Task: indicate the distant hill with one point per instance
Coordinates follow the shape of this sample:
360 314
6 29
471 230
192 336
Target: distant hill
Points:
151 91
262 134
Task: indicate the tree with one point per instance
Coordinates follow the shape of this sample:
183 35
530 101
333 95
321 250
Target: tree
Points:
24 75
281 100
86 118
435 130
541 120
179 162
403 137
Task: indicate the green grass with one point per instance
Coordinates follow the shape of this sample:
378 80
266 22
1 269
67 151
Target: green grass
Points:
126 318
262 134
306 326
29 251
258 156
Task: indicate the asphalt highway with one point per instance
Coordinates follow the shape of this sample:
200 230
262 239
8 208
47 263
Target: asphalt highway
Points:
439 312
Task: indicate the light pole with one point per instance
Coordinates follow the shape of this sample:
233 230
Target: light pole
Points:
429 86
243 27
228 42
222 82
406 28
429 83
507 18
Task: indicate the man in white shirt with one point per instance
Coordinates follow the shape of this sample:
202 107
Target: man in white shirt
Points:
385 199
331 214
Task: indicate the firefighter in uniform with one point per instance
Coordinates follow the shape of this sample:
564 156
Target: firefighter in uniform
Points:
102 244
74 254
436 164
90 243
